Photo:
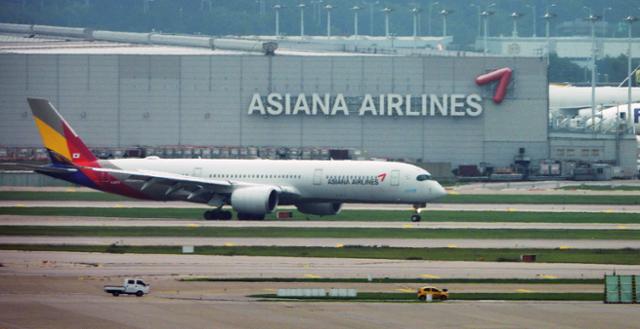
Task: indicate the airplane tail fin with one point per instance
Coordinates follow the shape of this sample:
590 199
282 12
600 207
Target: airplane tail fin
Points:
63 145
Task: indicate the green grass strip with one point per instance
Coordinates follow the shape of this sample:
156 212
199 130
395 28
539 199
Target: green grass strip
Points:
407 297
318 232
400 280
600 187
586 256
345 215
452 198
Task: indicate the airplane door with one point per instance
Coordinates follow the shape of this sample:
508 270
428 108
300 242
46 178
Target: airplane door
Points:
317 177
395 177
197 172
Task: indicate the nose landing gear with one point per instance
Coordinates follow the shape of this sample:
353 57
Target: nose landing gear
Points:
416 212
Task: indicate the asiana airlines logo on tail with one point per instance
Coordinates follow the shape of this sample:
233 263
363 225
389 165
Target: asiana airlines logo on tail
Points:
355 180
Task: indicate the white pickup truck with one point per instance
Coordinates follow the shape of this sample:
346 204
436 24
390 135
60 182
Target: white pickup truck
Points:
131 286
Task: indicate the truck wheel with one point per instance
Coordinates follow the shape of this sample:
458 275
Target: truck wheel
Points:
115 294
139 293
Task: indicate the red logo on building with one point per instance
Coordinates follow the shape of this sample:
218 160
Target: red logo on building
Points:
502 75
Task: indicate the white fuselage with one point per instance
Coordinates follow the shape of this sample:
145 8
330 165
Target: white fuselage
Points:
311 180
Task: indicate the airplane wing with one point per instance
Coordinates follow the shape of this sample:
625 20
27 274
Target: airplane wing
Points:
172 186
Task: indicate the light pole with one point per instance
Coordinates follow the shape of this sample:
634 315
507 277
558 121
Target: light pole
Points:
386 11
431 5
445 13
301 6
328 8
355 9
479 18
515 15
277 9
548 16
593 19
416 13
371 5
604 20
533 13
630 20
485 16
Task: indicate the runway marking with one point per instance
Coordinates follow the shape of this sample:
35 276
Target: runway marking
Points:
608 211
512 209
524 290
452 246
229 244
21 205
564 247
339 245
453 192
548 276
193 225
118 205
406 290
269 289
70 189
621 227
312 276
407 226
429 276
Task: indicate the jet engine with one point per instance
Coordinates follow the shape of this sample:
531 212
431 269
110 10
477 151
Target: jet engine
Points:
319 208
254 200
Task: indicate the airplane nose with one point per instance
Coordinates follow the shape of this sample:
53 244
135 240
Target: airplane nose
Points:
437 191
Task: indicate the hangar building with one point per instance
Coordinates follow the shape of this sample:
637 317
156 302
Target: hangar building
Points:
419 108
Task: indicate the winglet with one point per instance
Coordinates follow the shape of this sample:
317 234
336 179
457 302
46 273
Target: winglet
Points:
62 143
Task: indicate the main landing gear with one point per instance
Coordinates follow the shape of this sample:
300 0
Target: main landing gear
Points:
217 214
416 212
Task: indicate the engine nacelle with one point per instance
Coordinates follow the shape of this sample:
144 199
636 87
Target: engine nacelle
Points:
254 200
320 208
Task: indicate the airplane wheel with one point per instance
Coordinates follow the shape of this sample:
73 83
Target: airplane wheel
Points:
250 217
217 215
415 218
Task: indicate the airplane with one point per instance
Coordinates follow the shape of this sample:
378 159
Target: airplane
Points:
253 188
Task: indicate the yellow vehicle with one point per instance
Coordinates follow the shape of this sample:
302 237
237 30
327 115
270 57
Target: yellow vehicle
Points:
436 293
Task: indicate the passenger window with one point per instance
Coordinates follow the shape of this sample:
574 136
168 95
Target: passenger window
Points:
130 282
140 283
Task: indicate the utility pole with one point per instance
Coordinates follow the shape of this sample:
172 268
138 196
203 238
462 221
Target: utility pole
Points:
630 20
445 13
386 11
301 6
328 8
431 5
277 9
485 16
515 16
416 13
355 9
593 19
547 31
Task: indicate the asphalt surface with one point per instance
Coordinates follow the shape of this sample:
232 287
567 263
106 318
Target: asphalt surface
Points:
430 206
327 242
55 264
96 311
18 220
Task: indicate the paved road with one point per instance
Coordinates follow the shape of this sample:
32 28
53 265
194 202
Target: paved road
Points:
163 222
326 242
96 311
431 206
56 264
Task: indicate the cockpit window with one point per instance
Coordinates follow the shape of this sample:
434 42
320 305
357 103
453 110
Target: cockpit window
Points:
423 177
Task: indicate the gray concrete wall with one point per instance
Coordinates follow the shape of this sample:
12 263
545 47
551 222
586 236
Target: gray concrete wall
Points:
121 100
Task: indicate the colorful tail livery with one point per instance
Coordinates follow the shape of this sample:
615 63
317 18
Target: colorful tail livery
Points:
62 143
